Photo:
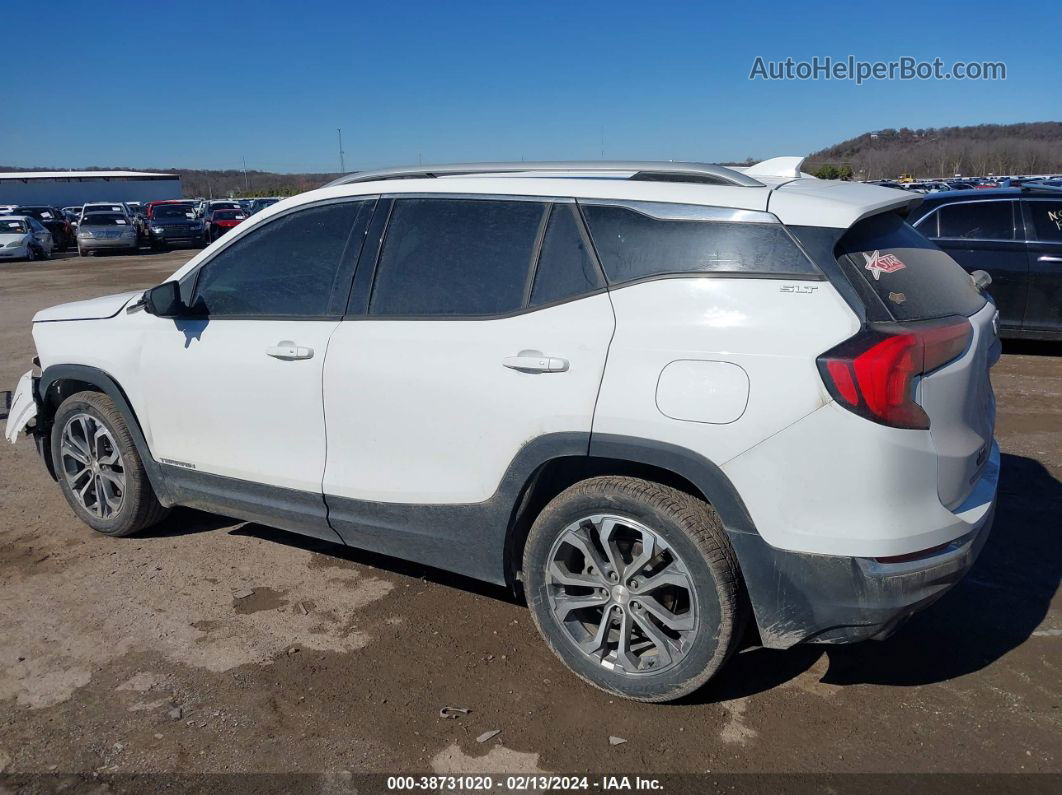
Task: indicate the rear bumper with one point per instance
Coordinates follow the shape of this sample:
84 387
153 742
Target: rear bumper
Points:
799 597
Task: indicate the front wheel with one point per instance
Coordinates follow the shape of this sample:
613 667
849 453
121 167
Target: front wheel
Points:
100 471
634 586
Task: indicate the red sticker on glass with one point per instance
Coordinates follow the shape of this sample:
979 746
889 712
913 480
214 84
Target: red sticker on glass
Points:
878 263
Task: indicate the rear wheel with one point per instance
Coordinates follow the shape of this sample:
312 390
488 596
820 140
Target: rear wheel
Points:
100 471
634 586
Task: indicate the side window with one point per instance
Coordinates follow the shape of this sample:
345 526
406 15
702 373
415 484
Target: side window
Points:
993 220
456 257
288 267
634 244
565 267
928 225
1047 220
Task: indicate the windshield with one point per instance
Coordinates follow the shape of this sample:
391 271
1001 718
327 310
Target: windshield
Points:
43 213
229 215
12 226
173 211
101 208
105 219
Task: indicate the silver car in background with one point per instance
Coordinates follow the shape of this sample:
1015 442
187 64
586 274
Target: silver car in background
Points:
113 231
24 237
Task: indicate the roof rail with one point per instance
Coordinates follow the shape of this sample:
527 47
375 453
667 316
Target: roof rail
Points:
664 171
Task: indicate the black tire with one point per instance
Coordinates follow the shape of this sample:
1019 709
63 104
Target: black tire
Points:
690 529
139 508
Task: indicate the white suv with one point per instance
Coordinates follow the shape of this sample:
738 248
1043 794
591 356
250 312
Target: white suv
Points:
655 397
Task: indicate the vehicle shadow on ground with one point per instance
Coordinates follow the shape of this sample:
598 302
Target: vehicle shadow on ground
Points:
188 521
992 611
375 560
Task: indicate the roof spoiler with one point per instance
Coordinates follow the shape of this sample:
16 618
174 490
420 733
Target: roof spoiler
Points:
778 167
665 171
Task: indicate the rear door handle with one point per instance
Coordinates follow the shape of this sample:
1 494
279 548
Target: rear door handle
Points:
1046 258
535 362
289 351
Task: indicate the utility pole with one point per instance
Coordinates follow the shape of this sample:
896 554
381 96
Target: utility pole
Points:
246 182
342 162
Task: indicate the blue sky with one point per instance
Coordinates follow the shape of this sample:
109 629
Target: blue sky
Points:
205 84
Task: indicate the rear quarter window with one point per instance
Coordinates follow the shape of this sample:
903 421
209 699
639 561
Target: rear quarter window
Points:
636 242
912 278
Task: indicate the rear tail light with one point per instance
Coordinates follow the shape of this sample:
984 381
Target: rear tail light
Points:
874 373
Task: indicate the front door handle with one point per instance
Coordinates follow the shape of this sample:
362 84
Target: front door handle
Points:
1047 258
535 362
289 351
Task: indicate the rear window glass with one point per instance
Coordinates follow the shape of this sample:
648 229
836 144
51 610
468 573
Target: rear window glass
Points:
633 245
456 257
913 278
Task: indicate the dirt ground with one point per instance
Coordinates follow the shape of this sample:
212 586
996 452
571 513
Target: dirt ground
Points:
208 645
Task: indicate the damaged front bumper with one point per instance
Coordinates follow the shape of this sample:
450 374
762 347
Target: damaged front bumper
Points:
22 414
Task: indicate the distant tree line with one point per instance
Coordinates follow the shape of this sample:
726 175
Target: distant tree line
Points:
221 184
999 149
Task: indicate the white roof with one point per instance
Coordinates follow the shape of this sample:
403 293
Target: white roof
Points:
80 174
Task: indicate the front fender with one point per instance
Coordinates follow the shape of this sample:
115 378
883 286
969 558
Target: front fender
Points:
106 384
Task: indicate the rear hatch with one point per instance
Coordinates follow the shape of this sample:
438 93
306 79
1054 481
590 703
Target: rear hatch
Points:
906 281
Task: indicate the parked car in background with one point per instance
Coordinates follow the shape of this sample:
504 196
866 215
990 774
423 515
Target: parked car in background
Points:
103 207
53 220
262 203
218 204
24 237
1015 235
221 221
106 232
175 225
149 208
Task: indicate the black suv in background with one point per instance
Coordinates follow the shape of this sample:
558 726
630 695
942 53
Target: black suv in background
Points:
52 219
175 225
1016 235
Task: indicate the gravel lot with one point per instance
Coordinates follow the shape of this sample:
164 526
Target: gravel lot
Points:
146 655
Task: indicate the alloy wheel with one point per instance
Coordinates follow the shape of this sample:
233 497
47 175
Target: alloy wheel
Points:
622 595
92 465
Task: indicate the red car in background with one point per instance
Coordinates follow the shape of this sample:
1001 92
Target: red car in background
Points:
221 221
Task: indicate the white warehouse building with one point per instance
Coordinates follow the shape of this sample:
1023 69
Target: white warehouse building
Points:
66 188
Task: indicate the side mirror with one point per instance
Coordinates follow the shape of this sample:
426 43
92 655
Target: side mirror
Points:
164 300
